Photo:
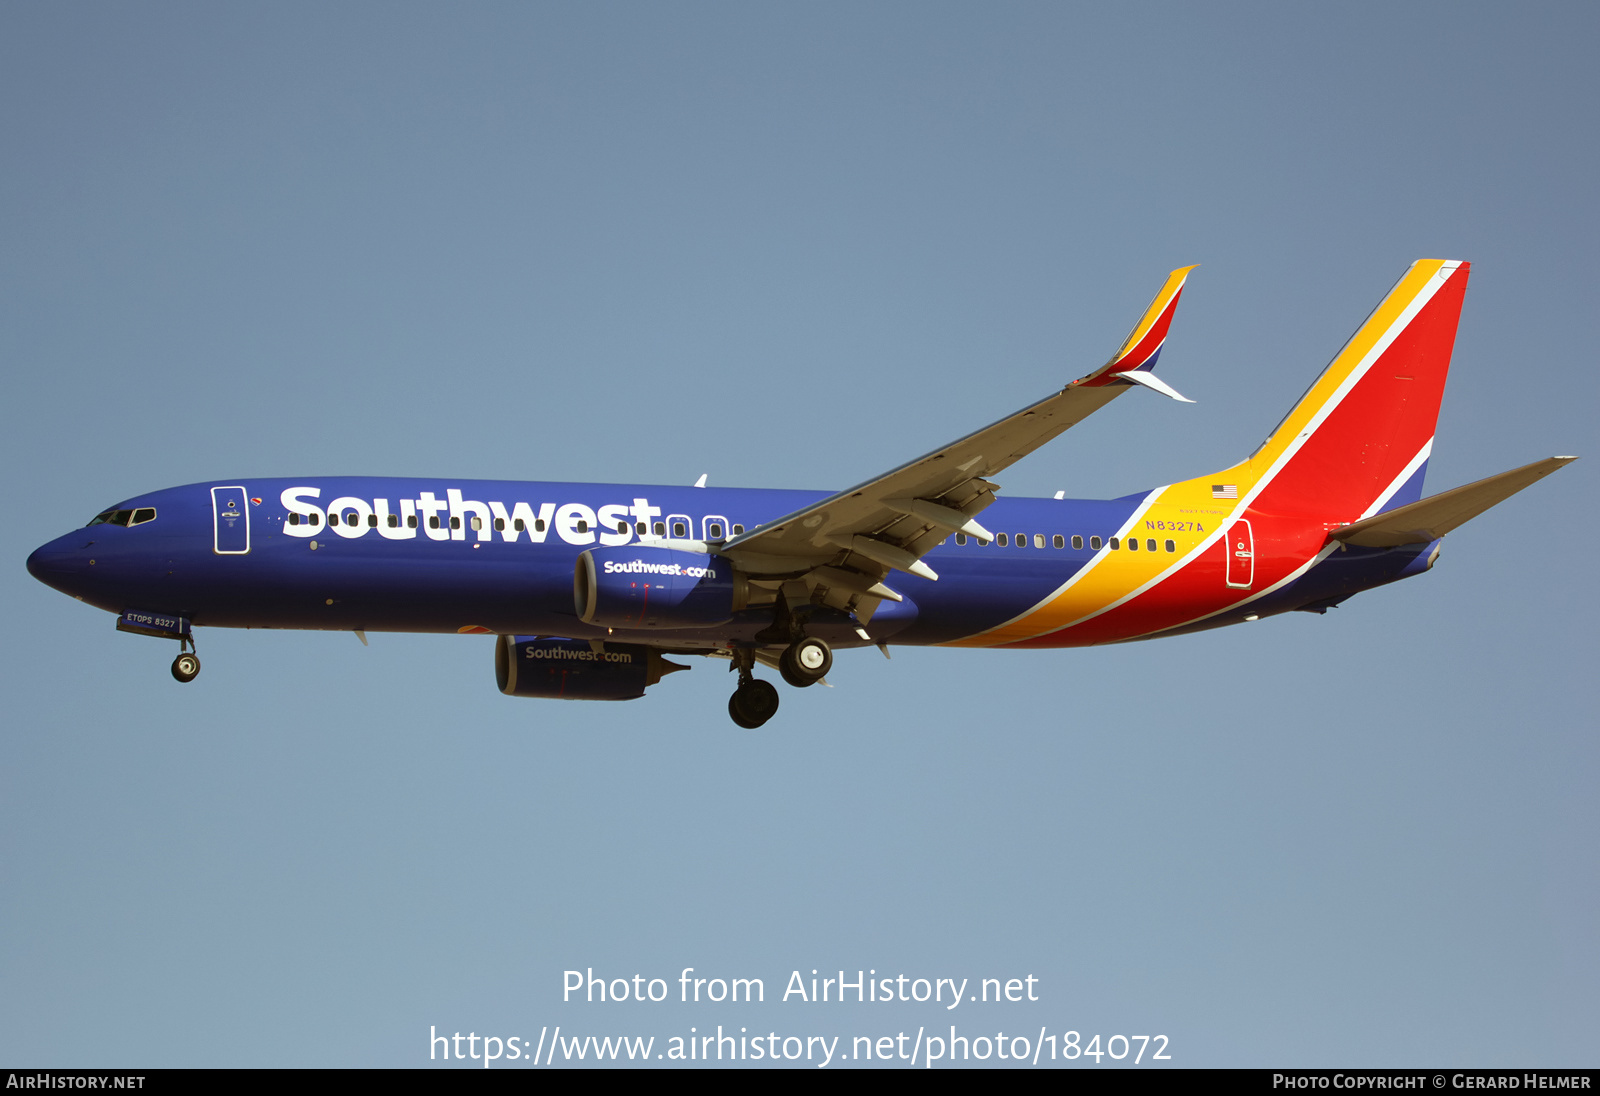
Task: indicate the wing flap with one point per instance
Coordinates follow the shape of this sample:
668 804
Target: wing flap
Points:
1433 517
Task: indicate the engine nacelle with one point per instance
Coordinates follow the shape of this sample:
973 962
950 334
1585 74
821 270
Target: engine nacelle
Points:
570 669
642 587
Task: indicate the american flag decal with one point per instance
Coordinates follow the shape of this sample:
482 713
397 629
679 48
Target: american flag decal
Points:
1224 490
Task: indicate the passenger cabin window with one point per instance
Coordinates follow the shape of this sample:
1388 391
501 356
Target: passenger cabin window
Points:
394 521
680 529
1038 540
1022 540
961 538
660 528
1133 544
738 530
1150 545
639 528
583 525
433 521
1171 547
1077 542
411 522
1115 544
499 525
294 519
372 521
519 525
477 523
1094 542
715 530
1000 539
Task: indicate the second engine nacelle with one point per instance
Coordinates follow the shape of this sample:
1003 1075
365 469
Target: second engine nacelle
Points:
642 587
571 669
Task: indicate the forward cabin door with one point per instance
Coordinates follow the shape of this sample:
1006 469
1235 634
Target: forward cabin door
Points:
230 515
1241 555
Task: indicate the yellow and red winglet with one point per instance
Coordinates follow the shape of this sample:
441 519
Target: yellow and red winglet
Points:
1140 349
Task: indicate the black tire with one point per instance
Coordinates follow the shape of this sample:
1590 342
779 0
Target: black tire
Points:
805 662
737 716
754 703
791 674
186 667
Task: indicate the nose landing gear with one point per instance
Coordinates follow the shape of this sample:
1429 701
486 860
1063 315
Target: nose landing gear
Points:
186 667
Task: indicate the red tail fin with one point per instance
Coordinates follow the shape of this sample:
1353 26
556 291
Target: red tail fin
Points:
1358 441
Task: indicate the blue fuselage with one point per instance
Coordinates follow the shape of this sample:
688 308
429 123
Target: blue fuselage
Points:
413 555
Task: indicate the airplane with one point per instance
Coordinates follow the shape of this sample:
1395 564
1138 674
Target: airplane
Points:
588 588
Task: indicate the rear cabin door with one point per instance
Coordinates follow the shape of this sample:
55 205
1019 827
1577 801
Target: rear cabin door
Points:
1241 555
230 512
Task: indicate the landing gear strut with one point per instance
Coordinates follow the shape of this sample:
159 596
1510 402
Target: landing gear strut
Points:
754 701
805 662
186 667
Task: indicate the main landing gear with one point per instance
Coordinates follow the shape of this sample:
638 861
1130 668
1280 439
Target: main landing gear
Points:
804 662
754 701
186 667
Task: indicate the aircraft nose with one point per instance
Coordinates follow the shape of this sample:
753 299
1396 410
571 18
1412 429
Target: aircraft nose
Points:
59 559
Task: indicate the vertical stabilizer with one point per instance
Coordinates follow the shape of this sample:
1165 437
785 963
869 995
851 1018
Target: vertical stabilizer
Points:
1358 441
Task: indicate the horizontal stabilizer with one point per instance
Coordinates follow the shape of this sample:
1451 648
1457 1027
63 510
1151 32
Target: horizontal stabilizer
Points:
1433 517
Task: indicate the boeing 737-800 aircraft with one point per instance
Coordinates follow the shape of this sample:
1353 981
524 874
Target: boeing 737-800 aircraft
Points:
589 587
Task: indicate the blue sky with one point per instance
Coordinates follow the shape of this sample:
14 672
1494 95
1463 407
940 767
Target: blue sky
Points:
792 246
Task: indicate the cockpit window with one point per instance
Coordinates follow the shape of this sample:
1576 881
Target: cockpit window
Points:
125 517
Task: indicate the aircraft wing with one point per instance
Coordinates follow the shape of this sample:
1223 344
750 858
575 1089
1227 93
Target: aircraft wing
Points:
850 541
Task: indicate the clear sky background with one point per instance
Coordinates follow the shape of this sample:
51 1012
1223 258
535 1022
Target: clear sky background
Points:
792 246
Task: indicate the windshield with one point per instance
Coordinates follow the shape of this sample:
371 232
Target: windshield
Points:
125 517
